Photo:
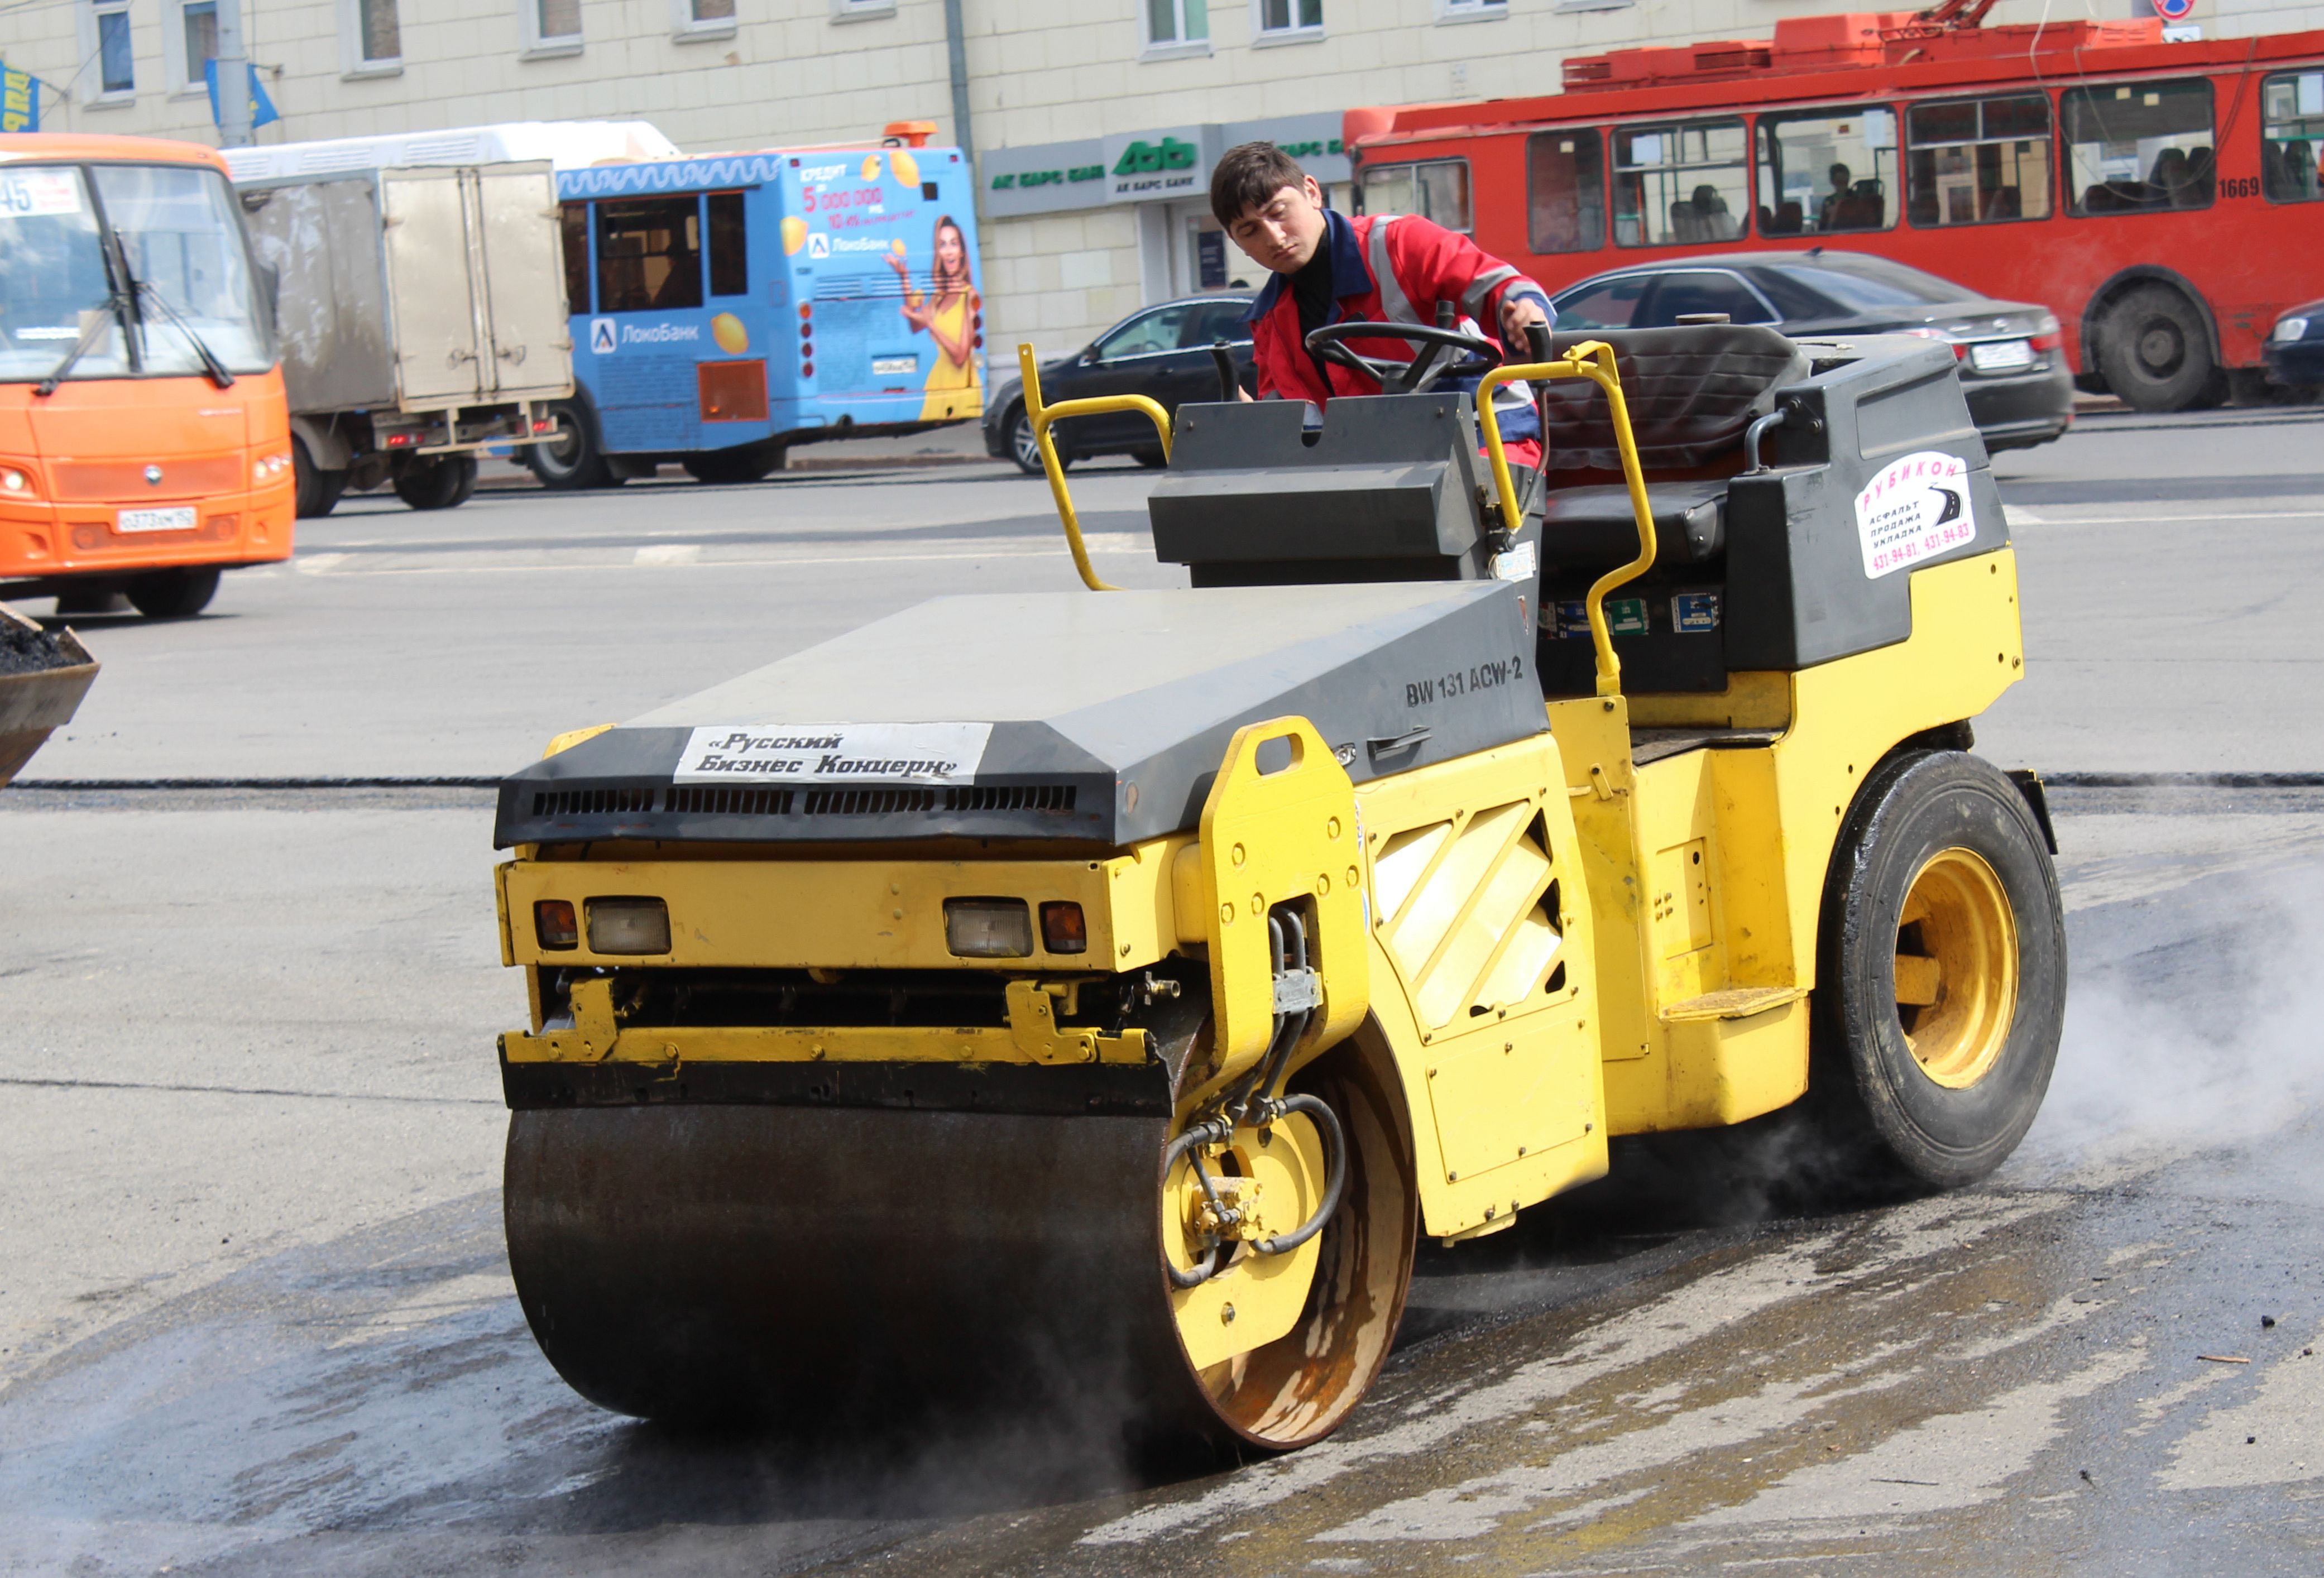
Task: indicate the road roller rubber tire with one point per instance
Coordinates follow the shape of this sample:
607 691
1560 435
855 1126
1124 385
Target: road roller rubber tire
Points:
843 1273
1942 988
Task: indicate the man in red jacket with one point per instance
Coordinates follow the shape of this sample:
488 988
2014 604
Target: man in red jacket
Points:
1381 268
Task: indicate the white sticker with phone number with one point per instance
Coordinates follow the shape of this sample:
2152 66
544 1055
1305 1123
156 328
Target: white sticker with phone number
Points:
28 194
1915 509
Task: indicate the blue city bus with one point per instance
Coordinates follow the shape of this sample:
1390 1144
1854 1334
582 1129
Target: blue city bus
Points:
728 307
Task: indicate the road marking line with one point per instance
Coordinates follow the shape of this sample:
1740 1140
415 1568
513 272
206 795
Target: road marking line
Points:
668 553
317 564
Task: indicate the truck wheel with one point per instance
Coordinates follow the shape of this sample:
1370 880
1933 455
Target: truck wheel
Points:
572 459
173 594
442 483
318 490
2155 352
1941 987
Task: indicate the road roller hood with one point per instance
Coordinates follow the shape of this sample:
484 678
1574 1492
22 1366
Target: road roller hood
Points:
1100 718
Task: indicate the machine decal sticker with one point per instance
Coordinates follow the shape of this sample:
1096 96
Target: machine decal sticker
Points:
1626 616
1693 612
828 753
1484 675
1915 509
1518 563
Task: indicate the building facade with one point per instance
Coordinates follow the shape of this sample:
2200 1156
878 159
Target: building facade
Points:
1095 122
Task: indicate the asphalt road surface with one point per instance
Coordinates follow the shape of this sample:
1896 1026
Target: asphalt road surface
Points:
254 1315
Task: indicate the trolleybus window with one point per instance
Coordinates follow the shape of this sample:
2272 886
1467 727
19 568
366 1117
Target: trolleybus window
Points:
1565 183
730 262
1975 160
2291 137
1675 184
1824 172
648 255
2138 147
574 218
1438 190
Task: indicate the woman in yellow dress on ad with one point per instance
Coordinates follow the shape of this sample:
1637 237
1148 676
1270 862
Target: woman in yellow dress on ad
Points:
950 312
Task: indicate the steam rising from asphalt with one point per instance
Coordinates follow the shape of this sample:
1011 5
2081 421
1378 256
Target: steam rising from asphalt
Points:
2211 1037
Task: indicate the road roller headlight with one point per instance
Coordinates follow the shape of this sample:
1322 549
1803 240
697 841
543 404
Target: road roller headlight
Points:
628 926
1063 929
988 928
553 924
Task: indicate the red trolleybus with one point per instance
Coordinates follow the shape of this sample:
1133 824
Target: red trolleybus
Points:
2162 198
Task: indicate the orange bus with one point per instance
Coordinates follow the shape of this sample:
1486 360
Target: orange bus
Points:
2164 199
144 439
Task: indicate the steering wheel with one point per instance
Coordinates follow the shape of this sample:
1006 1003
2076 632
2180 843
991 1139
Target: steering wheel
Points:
1420 374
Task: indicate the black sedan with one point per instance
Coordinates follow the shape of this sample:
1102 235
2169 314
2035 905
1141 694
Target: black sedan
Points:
2020 390
2295 348
1163 353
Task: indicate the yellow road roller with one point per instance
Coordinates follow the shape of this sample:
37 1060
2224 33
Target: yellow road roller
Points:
1078 1005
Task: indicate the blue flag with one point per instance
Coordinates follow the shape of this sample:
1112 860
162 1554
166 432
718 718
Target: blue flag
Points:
262 108
20 101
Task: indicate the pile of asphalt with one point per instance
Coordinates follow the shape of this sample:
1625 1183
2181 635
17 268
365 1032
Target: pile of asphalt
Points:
29 648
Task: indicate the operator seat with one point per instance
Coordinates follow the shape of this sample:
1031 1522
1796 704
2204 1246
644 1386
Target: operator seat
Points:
1691 391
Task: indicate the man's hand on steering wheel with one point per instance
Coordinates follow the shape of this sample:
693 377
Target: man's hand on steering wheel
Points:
1420 374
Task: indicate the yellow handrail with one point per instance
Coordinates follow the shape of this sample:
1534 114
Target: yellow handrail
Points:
1041 416
1593 360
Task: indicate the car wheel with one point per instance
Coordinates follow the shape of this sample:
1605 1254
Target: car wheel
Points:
173 594
441 483
1942 988
1023 448
571 459
2155 352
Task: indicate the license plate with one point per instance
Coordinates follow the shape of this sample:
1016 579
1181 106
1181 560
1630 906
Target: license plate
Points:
180 518
890 367
2001 355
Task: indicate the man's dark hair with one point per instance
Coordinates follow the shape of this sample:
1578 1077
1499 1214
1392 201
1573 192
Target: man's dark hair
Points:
1248 175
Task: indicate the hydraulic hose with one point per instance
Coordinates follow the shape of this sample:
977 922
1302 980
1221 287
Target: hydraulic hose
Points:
1335 1174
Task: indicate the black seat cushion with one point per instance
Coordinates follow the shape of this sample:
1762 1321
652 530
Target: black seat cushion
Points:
1591 528
1691 391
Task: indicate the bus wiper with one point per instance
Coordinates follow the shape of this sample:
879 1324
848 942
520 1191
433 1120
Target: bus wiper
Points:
210 362
97 325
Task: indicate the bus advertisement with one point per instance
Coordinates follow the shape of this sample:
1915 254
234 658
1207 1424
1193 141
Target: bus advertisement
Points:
145 441
2159 195
727 307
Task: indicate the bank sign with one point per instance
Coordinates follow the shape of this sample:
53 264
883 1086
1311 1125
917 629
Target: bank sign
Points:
1145 167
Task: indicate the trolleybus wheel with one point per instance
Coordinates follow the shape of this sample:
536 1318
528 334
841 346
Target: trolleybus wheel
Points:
2155 352
173 594
442 483
1942 984
749 462
572 459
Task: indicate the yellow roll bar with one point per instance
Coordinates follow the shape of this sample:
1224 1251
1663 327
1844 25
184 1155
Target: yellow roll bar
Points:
1041 416
1593 360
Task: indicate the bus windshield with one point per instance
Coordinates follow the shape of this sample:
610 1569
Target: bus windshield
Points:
188 276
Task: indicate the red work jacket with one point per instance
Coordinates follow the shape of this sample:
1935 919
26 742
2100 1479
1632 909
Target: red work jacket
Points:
1386 268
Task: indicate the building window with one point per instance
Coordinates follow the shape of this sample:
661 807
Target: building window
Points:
1438 190
1470 10
1177 27
1825 171
1679 184
2291 137
1566 186
1977 161
2139 147
702 19
370 36
108 39
198 19
1283 22
551 27
648 255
